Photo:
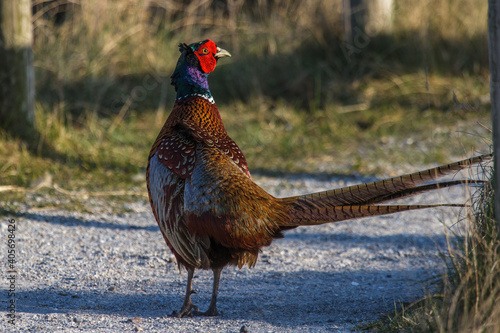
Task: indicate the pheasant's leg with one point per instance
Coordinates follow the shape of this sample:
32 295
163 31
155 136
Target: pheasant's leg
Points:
212 309
187 307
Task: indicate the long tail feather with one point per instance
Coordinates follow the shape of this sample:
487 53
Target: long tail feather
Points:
391 188
341 213
423 188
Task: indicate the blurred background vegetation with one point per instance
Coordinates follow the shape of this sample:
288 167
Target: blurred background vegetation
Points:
292 96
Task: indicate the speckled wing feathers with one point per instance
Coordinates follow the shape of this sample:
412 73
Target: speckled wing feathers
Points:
177 153
221 141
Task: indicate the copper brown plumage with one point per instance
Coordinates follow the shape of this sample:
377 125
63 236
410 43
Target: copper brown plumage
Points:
211 214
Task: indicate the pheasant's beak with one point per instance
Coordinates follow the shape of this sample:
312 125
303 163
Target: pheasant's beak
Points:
221 53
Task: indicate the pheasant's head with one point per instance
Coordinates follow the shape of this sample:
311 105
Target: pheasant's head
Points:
203 55
197 60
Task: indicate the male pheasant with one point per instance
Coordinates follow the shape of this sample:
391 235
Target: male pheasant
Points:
211 214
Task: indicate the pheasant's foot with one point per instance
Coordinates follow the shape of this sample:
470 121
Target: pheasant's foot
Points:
211 312
186 310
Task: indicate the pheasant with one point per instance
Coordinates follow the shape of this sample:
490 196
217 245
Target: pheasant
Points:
210 212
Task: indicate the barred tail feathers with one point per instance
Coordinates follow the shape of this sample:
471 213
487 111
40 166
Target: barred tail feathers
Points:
364 200
391 188
303 217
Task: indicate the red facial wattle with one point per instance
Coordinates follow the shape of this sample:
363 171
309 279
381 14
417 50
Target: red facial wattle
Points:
205 54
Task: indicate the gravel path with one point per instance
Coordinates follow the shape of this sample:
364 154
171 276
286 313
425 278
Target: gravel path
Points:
102 272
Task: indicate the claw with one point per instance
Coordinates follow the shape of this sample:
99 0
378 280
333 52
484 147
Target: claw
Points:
186 310
209 313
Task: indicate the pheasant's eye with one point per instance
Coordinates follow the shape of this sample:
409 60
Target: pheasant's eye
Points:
204 51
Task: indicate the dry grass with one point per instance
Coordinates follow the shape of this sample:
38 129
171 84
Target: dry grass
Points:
468 299
471 298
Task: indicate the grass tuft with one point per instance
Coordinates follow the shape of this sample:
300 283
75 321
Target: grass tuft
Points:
469 296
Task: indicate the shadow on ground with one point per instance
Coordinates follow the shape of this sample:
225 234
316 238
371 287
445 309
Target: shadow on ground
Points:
291 295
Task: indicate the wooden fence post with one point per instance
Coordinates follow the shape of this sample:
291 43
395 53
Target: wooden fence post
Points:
494 54
17 83
370 17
